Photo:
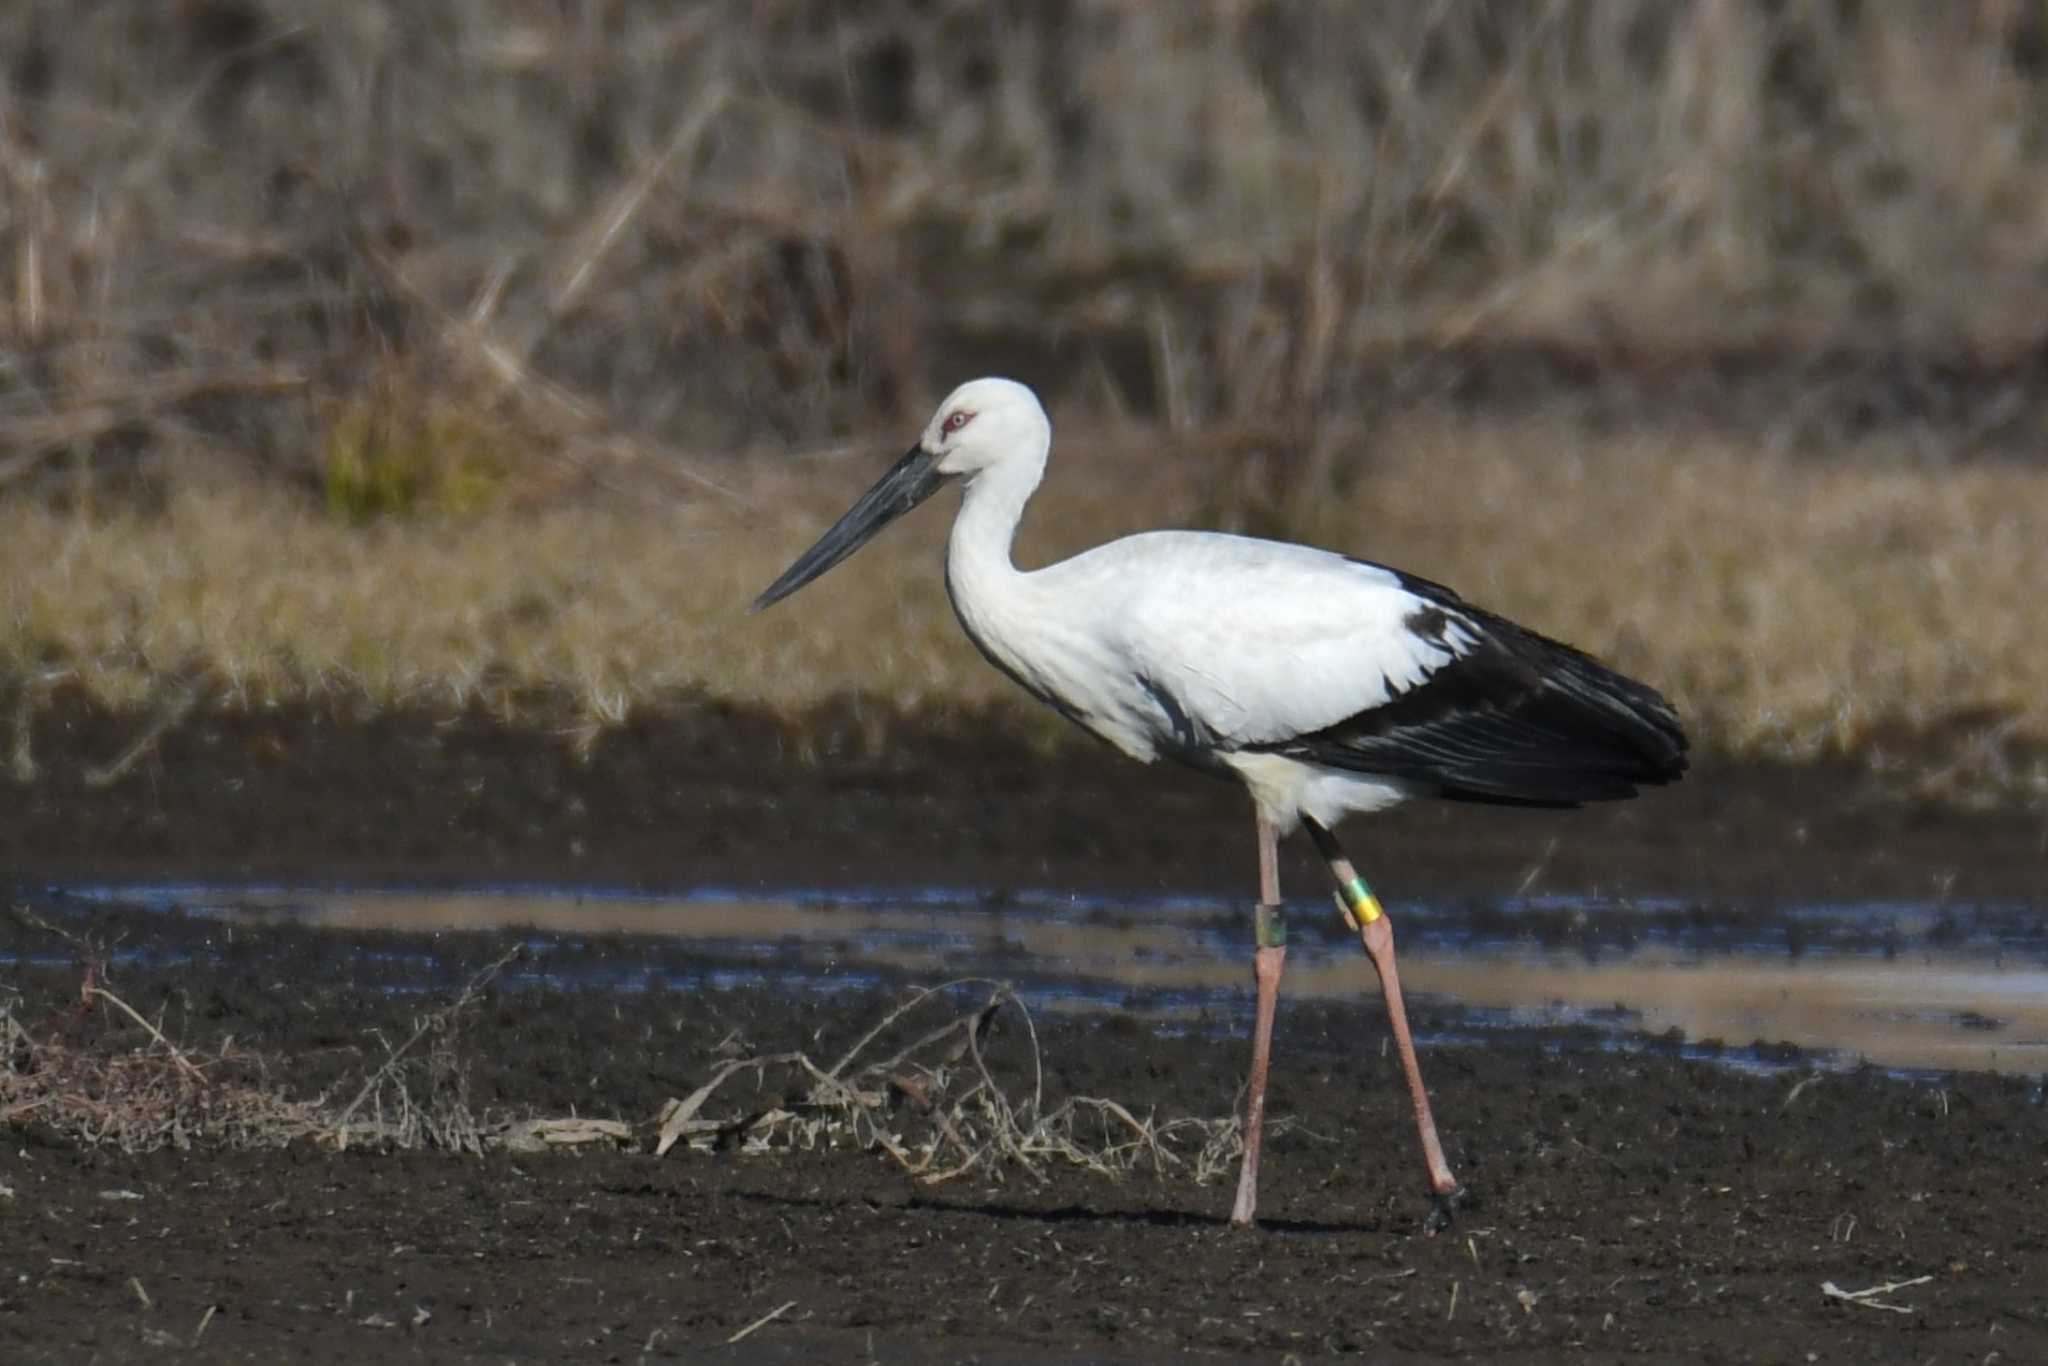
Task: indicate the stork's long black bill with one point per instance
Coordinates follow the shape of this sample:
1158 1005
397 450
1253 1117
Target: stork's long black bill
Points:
909 482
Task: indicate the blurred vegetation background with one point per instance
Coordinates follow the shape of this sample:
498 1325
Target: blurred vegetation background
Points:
458 353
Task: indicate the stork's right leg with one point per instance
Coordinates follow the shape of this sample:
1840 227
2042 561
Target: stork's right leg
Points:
1376 932
1268 960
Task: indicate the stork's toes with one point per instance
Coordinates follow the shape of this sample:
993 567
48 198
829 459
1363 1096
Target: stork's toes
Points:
1442 1206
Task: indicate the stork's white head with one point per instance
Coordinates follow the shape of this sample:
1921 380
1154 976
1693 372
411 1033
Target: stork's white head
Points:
983 424
987 422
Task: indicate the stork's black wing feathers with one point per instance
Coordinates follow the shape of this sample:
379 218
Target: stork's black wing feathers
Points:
1517 719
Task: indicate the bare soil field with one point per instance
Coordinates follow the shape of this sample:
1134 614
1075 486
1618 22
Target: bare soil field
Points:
1633 1209
1630 1204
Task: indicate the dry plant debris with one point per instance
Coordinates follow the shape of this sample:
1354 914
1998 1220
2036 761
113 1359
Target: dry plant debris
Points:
157 1094
938 1108
1868 1298
765 204
937 1103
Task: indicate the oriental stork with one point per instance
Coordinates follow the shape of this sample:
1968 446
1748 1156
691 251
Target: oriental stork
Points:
1326 685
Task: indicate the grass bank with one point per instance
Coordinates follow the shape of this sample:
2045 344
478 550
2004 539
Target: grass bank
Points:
1791 607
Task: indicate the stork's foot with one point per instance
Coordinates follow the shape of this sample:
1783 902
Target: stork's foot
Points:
1245 1213
1443 1205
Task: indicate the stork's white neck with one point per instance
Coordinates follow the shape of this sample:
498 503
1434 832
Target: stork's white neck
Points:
978 560
1034 627
987 589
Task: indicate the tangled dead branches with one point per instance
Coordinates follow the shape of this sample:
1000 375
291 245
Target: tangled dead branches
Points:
155 1094
943 1104
938 1108
149 1097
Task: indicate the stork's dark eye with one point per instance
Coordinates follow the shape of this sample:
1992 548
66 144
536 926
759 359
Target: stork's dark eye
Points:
955 421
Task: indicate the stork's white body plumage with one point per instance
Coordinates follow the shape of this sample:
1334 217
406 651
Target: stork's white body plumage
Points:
1326 685
1200 647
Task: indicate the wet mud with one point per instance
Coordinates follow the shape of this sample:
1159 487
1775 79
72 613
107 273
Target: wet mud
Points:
853 795
1632 1200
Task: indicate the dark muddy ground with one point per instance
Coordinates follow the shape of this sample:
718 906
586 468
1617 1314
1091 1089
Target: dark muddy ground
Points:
1631 1204
849 796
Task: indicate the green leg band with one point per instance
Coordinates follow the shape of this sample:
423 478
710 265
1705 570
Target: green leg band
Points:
1269 931
1361 907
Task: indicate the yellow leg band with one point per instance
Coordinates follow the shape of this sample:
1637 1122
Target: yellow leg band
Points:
1361 907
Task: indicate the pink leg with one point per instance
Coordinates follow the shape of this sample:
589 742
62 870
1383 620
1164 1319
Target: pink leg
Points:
1267 962
1376 933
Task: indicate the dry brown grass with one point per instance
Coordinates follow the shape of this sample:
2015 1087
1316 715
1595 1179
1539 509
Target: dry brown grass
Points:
1789 606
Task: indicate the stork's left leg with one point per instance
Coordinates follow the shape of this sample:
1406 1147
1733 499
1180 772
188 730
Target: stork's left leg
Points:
1362 909
1269 958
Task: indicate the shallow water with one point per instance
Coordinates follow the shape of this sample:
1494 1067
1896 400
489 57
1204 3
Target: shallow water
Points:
1902 986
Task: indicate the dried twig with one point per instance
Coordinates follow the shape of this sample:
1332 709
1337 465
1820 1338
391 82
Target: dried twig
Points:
1867 1299
169 715
678 1119
437 1020
1799 1089
536 1135
912 1002
773 1314
33 691
709 103
177 1056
